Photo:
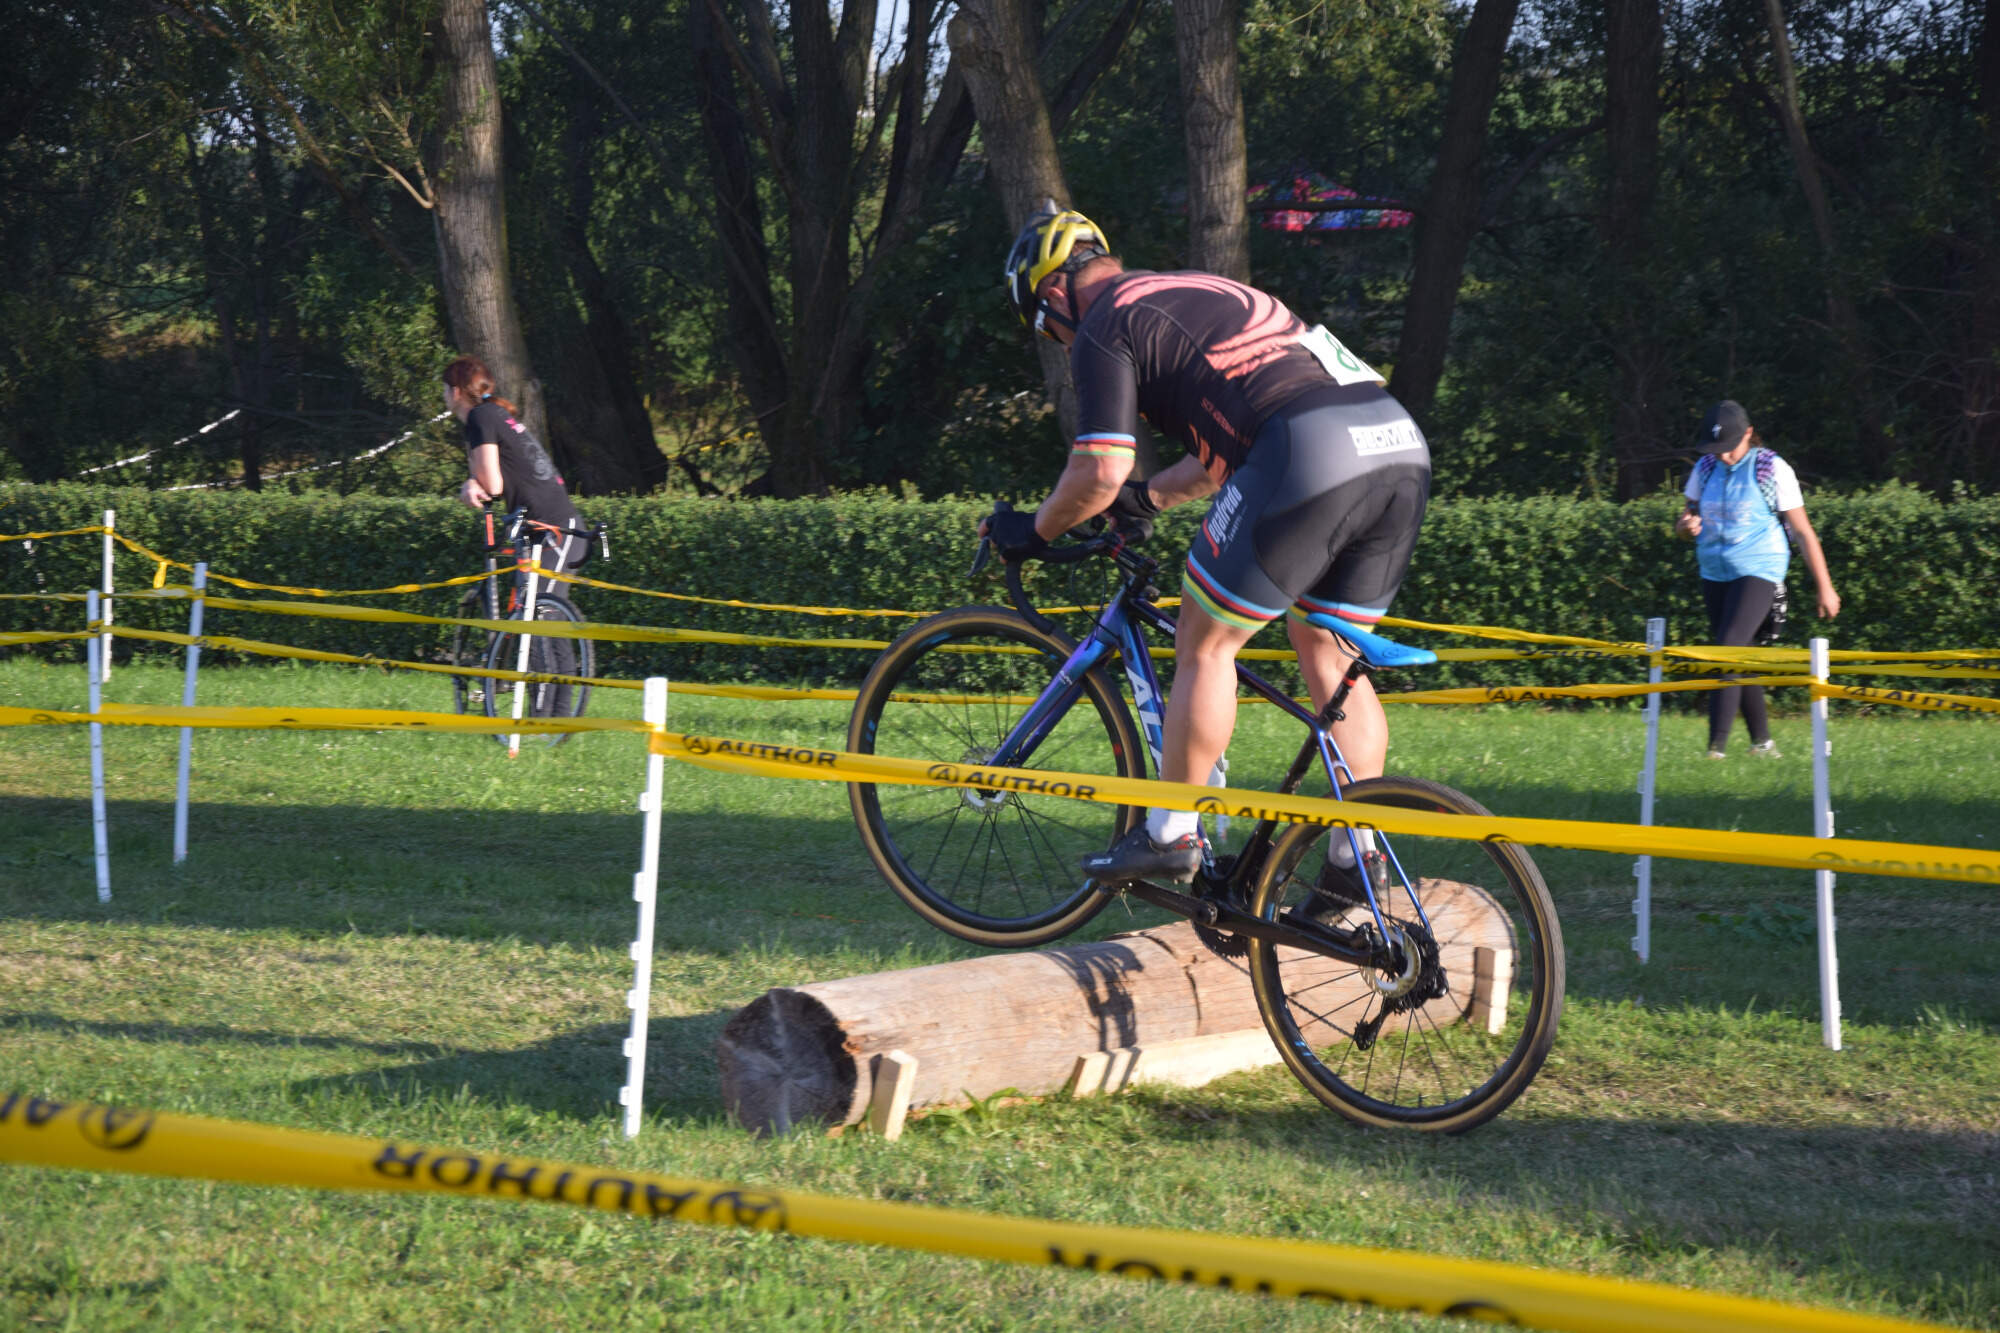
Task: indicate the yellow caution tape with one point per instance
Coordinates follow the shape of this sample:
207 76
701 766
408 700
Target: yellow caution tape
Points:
224 642
1936 703
86 1137
1496 694
544 629
14 638
95 528
254 646
1518 635
311 719
1789 851
722 601
149 553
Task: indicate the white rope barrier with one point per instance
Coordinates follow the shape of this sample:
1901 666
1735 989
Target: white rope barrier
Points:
382 448
140 458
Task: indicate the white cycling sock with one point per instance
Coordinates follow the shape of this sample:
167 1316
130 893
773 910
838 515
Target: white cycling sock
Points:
1163 826
1340 852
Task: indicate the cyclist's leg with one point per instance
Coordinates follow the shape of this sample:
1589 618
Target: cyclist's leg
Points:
1201 707
1363 732
1735 610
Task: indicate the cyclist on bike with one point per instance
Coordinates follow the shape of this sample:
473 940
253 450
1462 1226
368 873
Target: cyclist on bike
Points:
1320 481
509 464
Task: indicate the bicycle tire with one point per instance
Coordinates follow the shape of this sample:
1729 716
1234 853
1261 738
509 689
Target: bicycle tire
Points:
995 868
1436 1067
546 655
468 652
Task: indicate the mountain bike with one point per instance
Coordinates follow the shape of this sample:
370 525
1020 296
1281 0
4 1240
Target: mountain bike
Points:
562 666
1430 1005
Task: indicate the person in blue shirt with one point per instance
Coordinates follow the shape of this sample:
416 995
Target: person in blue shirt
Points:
1741 501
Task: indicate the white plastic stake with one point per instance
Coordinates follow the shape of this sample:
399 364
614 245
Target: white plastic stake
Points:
187 701
99 833
521 656
104 658
645 891
1829 959
1642 906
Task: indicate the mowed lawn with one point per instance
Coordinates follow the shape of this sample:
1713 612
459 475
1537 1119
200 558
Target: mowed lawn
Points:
408 935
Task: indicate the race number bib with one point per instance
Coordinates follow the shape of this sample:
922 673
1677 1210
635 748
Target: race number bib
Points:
1343 365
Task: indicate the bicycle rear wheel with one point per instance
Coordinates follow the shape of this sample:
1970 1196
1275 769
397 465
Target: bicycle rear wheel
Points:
995 868
1452 1039
546 656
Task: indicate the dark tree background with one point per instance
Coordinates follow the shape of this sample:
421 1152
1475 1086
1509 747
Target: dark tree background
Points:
745 246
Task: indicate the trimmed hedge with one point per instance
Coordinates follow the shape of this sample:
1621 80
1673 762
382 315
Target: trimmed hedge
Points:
1914 573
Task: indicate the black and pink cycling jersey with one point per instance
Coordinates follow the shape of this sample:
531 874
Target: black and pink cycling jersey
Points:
1205 360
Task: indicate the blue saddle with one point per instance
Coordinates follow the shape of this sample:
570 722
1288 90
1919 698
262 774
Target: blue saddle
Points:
1375 650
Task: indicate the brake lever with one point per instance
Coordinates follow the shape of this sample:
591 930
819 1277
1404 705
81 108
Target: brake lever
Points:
985 551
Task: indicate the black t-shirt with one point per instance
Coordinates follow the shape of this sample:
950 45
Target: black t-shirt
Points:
1204 359
529 477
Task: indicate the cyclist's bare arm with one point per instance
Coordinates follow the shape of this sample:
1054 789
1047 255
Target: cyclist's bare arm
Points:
1088 485
485 483
1184 481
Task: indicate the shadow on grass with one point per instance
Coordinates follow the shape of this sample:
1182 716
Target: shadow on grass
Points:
576 1073
733 881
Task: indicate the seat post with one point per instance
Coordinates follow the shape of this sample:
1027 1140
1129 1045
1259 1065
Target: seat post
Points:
1332 713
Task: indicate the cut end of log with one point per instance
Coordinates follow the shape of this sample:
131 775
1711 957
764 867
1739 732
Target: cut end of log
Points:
784 1062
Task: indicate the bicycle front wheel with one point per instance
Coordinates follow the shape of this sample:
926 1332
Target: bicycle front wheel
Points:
1457 1032
993 867
468 652
544 699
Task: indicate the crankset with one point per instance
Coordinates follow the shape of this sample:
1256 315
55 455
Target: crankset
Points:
1227 928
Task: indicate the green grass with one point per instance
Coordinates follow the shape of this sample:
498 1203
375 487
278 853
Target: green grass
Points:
409 935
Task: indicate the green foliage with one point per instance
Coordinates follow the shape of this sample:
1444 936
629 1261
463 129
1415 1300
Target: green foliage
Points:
1914 573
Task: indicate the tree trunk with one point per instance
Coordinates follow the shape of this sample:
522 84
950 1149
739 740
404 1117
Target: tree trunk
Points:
614 439
1450 215
1212 113
471 216
822 405
222 301
1840 311
1979 462
1632 48
755 343
993 41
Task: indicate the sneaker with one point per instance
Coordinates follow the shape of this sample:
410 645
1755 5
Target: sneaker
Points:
1765 750
1718 754
1338 888
1137 856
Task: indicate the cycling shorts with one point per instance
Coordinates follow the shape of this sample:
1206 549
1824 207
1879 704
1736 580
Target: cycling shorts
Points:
1322 516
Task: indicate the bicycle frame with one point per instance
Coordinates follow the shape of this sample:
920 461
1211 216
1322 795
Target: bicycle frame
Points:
1118 630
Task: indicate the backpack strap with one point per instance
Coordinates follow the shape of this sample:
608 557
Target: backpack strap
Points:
1766 467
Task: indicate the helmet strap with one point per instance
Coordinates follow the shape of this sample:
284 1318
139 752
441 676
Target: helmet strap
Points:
1045 315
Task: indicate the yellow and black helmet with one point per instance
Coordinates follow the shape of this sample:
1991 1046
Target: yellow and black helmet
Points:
1054 240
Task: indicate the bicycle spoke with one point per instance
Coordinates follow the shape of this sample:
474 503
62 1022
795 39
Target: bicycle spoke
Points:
1432 1064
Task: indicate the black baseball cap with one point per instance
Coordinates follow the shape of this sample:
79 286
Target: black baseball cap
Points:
1724 425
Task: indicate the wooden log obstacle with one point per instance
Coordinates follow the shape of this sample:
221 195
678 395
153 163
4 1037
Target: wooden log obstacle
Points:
1152 1005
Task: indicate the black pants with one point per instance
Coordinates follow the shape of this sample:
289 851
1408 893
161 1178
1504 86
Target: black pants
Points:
1735 610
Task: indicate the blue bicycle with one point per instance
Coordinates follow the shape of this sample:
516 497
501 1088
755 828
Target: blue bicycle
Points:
1423 994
